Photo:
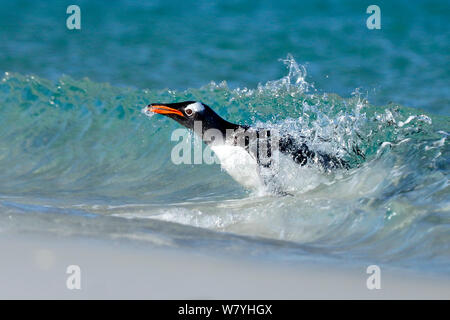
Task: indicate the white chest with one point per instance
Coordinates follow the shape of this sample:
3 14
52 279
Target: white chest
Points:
240 165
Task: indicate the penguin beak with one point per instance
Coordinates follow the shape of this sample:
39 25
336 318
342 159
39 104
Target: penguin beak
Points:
161 109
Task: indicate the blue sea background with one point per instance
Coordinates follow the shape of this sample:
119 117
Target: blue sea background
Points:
77 156
187 44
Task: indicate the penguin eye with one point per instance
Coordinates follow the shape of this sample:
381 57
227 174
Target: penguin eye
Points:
189 112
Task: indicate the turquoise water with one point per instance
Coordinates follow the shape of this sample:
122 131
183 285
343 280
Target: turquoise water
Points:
79 158
186 44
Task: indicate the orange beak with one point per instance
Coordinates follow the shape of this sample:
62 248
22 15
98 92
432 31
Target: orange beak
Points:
164 110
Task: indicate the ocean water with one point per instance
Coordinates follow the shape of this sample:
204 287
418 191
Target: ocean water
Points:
78 158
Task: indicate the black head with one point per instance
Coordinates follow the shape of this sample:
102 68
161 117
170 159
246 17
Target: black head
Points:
188 112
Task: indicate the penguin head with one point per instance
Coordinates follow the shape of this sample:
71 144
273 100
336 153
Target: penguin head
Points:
188 112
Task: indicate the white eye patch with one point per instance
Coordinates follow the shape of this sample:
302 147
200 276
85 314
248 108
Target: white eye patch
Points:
196 107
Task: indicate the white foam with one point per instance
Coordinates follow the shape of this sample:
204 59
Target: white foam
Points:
147 112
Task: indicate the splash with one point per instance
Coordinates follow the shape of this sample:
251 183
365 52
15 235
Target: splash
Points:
74 145
147 113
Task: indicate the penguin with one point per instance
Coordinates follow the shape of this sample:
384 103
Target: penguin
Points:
246 153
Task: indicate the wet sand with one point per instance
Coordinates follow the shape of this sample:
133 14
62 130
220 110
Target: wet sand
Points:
34 267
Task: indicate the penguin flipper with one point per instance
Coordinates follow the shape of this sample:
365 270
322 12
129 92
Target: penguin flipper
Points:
301 154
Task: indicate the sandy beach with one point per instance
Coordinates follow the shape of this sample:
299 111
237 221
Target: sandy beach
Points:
34 267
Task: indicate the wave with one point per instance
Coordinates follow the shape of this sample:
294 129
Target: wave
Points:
87 144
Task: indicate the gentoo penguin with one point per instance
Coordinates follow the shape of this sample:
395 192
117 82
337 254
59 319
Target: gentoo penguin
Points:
245 152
